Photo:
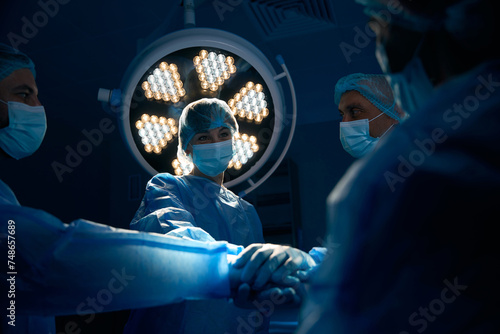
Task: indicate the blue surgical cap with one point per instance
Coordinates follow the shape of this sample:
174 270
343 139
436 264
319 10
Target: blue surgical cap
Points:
375 88
12 60
200 116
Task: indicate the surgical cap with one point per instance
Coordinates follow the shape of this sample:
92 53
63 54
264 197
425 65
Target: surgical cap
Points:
200 116
375 88
12 60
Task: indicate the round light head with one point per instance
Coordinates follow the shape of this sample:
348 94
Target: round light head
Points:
189 65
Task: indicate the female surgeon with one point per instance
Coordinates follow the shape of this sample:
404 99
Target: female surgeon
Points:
198 206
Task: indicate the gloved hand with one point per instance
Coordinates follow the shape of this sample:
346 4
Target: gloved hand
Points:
261 263
245 297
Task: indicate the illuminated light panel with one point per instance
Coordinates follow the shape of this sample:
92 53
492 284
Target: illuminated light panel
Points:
213 69
155 132
181 168
164 84
250 103
245 147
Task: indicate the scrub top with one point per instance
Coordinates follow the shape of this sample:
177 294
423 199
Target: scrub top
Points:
198 208
414 224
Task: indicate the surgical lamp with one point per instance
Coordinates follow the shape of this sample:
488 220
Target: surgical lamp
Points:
194 63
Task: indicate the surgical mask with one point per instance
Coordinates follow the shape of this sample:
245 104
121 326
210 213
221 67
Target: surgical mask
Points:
27 126
213 159
411 87
355 137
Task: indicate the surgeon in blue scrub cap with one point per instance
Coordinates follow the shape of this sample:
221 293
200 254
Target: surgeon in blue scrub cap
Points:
61 269
198 206
368 110
414 223
22 117
213 125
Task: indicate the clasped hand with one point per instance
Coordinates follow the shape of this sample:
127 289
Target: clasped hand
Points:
269 271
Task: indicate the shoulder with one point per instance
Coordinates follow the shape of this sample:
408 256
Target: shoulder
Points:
163 179
244 203
164 182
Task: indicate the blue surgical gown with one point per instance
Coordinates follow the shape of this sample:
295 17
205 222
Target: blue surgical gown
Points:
58 268
414 224
195 207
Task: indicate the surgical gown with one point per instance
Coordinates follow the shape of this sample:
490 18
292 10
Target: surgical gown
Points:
414 224
84 267
182 206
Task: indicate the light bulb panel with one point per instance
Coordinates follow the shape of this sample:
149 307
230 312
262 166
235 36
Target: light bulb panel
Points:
245 147
182 168
164 84
213 69
155 132
183 48
250 103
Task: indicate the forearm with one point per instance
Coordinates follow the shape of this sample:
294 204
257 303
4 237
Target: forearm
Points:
87 268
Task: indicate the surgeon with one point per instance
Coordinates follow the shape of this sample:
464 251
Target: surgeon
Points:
198 206
414 223
52 268
368 110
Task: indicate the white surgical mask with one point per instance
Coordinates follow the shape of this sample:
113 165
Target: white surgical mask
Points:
411 87
27 126
355 137
213 159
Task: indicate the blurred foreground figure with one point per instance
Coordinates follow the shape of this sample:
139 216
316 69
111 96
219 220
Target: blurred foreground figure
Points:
413 224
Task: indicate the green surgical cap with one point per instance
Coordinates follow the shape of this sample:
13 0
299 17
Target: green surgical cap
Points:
375 88
12 60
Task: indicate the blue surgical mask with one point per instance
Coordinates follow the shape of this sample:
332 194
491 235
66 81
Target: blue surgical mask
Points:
27 126
355 137
411 87
213 159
